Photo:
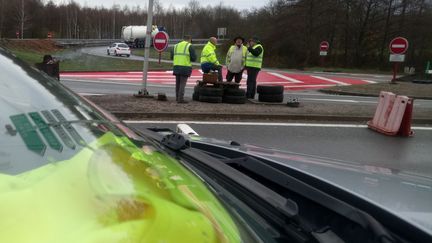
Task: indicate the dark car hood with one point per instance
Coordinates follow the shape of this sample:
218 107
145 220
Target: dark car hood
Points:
404 194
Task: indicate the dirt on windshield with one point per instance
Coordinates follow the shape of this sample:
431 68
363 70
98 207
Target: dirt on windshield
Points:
41 45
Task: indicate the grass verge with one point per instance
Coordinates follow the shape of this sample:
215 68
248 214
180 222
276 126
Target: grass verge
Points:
420 91
73 60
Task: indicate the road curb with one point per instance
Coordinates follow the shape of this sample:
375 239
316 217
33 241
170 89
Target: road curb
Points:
249 116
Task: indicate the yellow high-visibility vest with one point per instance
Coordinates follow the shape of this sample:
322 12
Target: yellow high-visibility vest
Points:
253 61
182 54
208 54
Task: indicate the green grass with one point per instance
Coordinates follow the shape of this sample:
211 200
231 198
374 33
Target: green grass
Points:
29 57
93 63
400 88
71 60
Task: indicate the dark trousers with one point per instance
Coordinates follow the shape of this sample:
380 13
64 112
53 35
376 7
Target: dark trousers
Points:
207 67
180 87
237 76
251 82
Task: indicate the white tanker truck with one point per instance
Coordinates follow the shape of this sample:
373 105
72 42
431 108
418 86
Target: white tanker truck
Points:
134 35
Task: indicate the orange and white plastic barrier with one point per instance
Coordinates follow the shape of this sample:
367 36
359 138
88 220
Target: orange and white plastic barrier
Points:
393 115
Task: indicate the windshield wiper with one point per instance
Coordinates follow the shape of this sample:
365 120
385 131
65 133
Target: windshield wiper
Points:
281 211
275 208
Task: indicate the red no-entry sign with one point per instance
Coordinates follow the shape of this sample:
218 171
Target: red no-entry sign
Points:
324 46
398 45
160 41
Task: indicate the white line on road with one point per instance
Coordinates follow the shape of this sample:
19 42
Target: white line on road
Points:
262 124
90 94
286 78
330 80
308 85
117 83
369 81
334 100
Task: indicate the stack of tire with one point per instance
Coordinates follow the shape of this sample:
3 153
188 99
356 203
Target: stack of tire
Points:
207 94
234 96
270 93
217 95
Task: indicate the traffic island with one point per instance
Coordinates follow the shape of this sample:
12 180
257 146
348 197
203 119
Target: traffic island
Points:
127 107
412 90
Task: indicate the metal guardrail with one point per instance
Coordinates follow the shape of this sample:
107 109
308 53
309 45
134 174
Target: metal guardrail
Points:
85 42
101 42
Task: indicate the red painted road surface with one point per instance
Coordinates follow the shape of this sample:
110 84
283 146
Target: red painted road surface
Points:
288 80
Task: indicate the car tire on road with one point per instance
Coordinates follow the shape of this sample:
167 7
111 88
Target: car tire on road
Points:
210 91
234 99
273 98
269 89
128 55
108 53
235 92
210 99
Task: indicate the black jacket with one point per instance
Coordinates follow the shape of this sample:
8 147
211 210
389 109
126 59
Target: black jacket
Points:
183 70
256 52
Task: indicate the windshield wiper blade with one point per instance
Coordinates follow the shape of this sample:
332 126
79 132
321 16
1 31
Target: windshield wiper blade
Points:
271 173
286 206
281 211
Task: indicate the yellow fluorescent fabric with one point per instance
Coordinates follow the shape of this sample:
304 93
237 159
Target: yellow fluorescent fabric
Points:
111 191
208 54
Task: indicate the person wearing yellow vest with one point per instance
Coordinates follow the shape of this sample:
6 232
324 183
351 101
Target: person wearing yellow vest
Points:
235 60
183 55
209 61
253 65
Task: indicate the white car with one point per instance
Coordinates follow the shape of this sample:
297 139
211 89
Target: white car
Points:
119 49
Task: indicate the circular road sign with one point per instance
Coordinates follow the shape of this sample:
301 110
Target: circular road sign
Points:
324 46
160 41
398 45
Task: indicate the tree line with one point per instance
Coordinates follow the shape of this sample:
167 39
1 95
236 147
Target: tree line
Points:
358 31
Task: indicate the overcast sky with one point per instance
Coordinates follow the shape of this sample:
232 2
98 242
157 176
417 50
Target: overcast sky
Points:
239 4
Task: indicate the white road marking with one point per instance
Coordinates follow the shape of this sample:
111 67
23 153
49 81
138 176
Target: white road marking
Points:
90 94
369 81
286 78
261 124
334 100
118 83
330 80
309 85
121 76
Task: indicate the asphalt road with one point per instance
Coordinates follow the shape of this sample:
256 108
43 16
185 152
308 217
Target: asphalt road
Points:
88 87
354 144
311 96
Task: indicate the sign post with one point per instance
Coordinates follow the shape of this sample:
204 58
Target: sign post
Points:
160 43
398 46
143 91
221 32
324 47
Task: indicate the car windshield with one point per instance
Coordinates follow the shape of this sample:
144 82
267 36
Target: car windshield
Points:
61 161
336 90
